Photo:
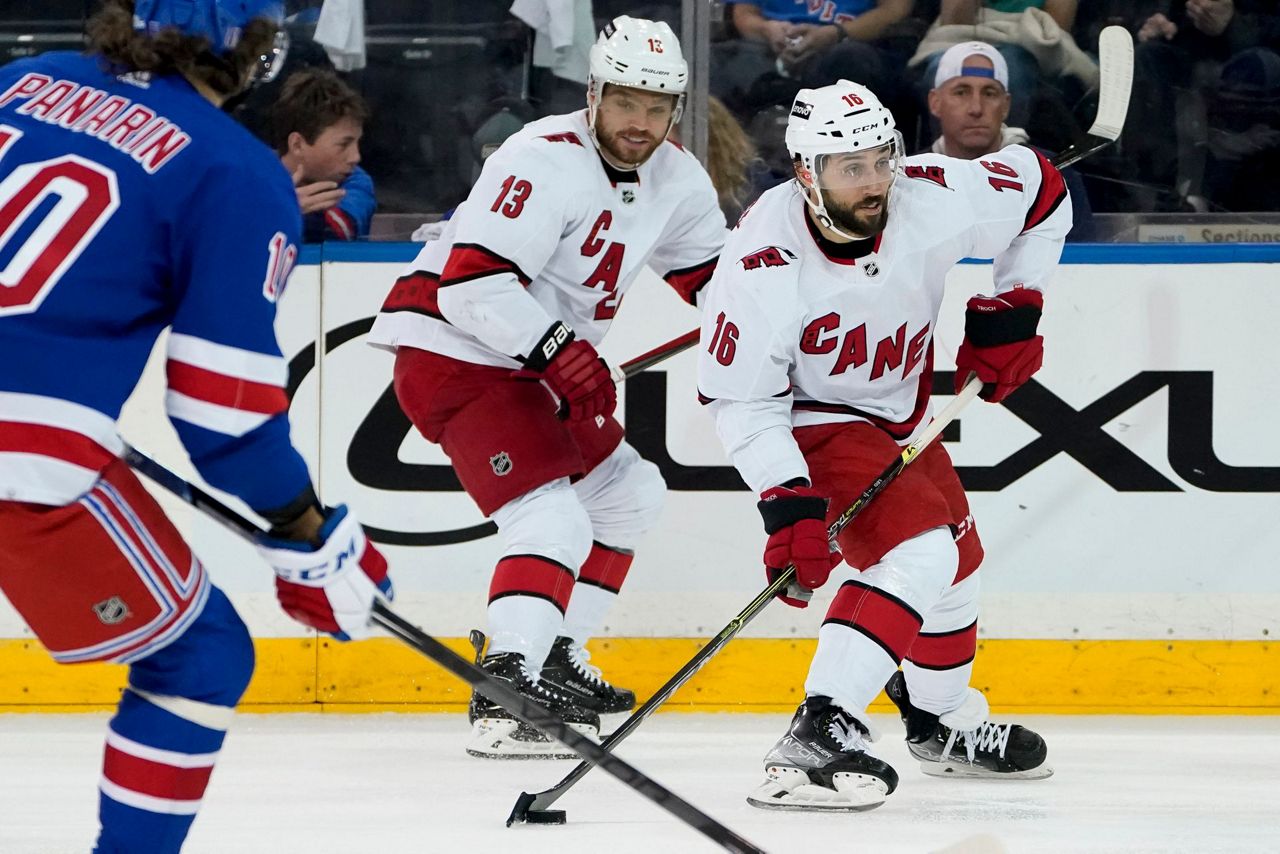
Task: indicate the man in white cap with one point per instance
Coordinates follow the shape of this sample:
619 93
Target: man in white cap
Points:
970 99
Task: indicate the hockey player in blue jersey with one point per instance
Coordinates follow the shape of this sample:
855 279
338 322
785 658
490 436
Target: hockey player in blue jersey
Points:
129 203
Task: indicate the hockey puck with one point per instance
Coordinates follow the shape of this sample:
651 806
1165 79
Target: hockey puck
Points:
545 817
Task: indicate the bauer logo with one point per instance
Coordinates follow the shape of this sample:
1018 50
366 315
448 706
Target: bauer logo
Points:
801 110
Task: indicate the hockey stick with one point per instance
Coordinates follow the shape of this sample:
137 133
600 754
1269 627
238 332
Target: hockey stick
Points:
1115 61
533 807
661 353
1115 49
478 679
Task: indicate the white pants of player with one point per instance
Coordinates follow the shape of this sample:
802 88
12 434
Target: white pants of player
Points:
614 505
851 668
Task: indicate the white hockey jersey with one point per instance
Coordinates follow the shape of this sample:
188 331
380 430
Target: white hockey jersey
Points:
793 334
549 233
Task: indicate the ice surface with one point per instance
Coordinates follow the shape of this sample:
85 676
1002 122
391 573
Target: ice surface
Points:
320 783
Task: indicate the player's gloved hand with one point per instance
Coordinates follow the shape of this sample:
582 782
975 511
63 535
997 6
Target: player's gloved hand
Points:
1000 342
574 372
330 586
795 520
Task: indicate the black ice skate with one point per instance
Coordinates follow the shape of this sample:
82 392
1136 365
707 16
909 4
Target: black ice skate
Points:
498 734
991 751
822 764
568 669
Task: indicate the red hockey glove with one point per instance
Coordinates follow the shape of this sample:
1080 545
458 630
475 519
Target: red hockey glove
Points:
1000 342
795 520
574 372
330 587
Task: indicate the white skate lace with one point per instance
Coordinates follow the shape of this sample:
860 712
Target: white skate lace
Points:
988 737
581 661
536 683
846 733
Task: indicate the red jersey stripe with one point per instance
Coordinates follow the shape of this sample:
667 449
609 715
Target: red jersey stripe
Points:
1053 189
416 292
340 223
223 390
689 280
468 261
899 431
25 438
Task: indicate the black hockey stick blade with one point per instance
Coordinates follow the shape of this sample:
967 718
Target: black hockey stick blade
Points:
527 806
522 812
1115 62
478 679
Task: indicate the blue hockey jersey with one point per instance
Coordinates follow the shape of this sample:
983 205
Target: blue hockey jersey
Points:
129 204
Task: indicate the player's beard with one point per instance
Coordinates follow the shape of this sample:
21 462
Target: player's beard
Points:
619 156
852 220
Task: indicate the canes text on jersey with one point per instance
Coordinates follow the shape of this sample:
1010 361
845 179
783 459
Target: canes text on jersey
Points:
821 336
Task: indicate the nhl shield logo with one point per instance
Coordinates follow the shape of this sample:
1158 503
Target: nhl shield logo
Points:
628 196
111 611
501 463
871 269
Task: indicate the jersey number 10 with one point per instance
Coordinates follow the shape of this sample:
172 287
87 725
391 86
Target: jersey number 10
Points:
42 239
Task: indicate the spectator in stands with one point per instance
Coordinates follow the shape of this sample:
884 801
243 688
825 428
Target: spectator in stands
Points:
970 100
1180 88
1035 48
786 45
317 123
735 167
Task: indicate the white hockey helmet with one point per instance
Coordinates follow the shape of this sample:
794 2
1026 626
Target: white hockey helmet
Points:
639 54
842 118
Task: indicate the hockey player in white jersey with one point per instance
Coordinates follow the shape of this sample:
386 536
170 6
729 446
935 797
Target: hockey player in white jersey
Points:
495 327
817 364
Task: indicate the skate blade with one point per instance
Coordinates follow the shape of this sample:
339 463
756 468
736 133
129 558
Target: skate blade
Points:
791 789
966 771
504 738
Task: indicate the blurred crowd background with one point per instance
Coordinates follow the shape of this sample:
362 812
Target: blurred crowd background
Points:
443 82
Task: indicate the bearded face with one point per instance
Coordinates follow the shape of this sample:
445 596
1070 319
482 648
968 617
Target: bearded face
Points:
632 123
865 217
854 188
